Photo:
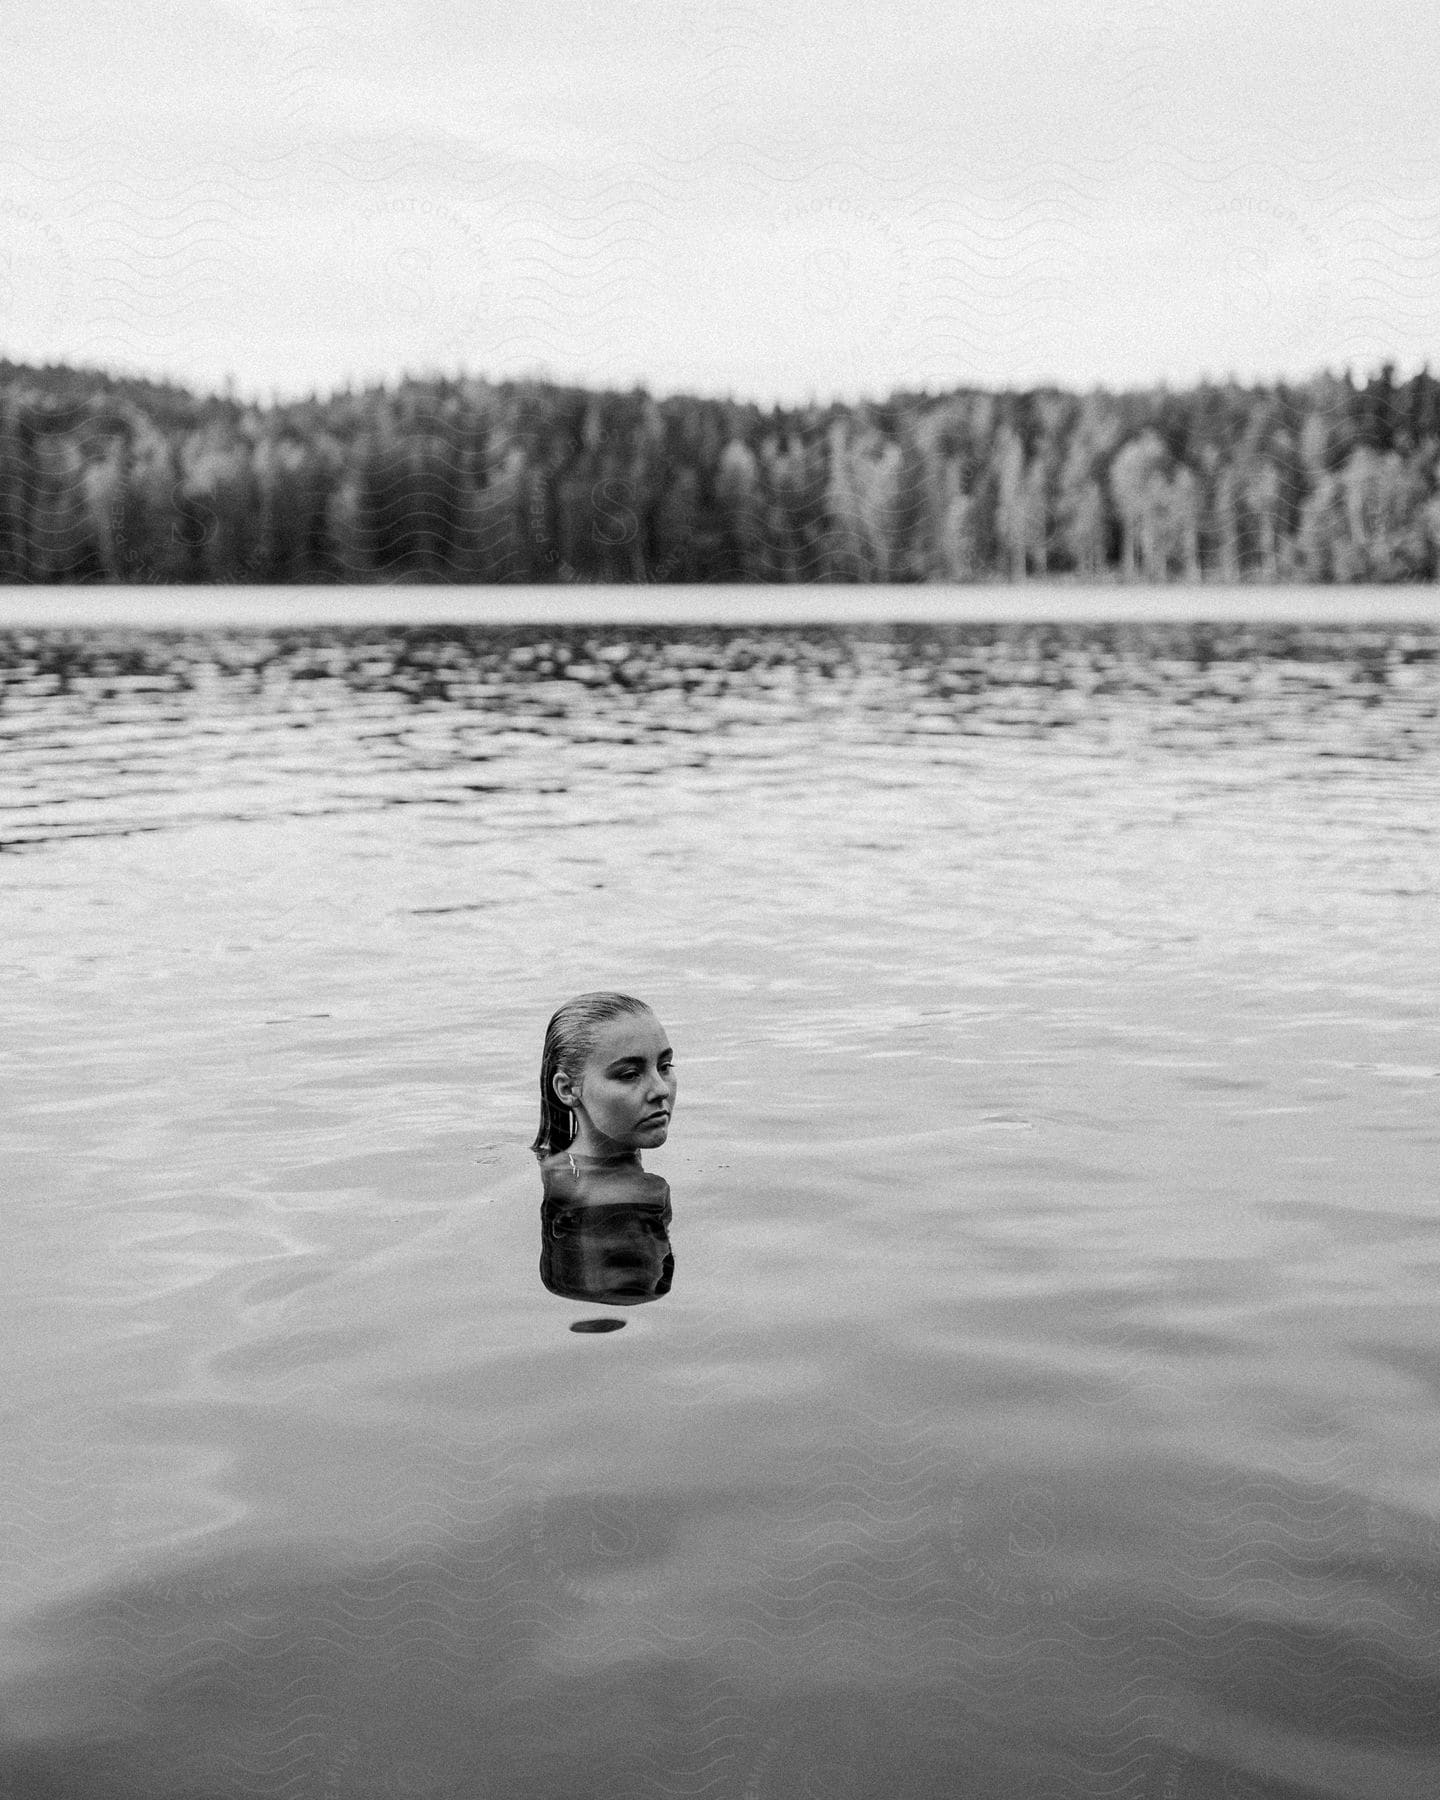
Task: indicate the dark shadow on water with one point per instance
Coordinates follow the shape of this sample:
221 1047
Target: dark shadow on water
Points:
521 1663
721 1641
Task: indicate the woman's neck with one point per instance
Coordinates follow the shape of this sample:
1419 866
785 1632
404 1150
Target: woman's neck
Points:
585 1148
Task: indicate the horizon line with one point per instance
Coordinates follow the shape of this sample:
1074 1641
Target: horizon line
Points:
232 393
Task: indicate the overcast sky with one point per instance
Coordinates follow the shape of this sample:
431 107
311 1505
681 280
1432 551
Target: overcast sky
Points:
775 198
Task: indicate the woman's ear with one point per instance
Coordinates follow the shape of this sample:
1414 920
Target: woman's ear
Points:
565 1089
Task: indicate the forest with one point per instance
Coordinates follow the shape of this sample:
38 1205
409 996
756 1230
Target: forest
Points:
106 478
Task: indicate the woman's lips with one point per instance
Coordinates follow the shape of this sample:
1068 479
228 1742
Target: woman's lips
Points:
659 1118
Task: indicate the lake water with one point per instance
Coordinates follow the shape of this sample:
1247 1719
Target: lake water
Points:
1045 1401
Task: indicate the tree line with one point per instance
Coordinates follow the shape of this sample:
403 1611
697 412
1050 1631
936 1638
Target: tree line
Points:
110 479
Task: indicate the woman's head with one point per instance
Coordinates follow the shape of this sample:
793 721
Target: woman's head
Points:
607 1078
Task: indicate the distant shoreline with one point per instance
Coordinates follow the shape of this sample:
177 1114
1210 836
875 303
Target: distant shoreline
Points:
302 608
455 481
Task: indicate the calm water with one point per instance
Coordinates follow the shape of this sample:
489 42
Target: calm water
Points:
1045 1398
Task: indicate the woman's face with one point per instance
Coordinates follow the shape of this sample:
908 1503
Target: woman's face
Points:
626 1091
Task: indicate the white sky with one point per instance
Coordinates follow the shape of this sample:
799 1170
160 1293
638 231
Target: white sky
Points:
775 198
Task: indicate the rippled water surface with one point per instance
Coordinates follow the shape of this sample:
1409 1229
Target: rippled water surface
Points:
1045 1400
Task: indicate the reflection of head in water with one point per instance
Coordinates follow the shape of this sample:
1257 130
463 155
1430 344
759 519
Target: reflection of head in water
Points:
605 1235
607 1080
